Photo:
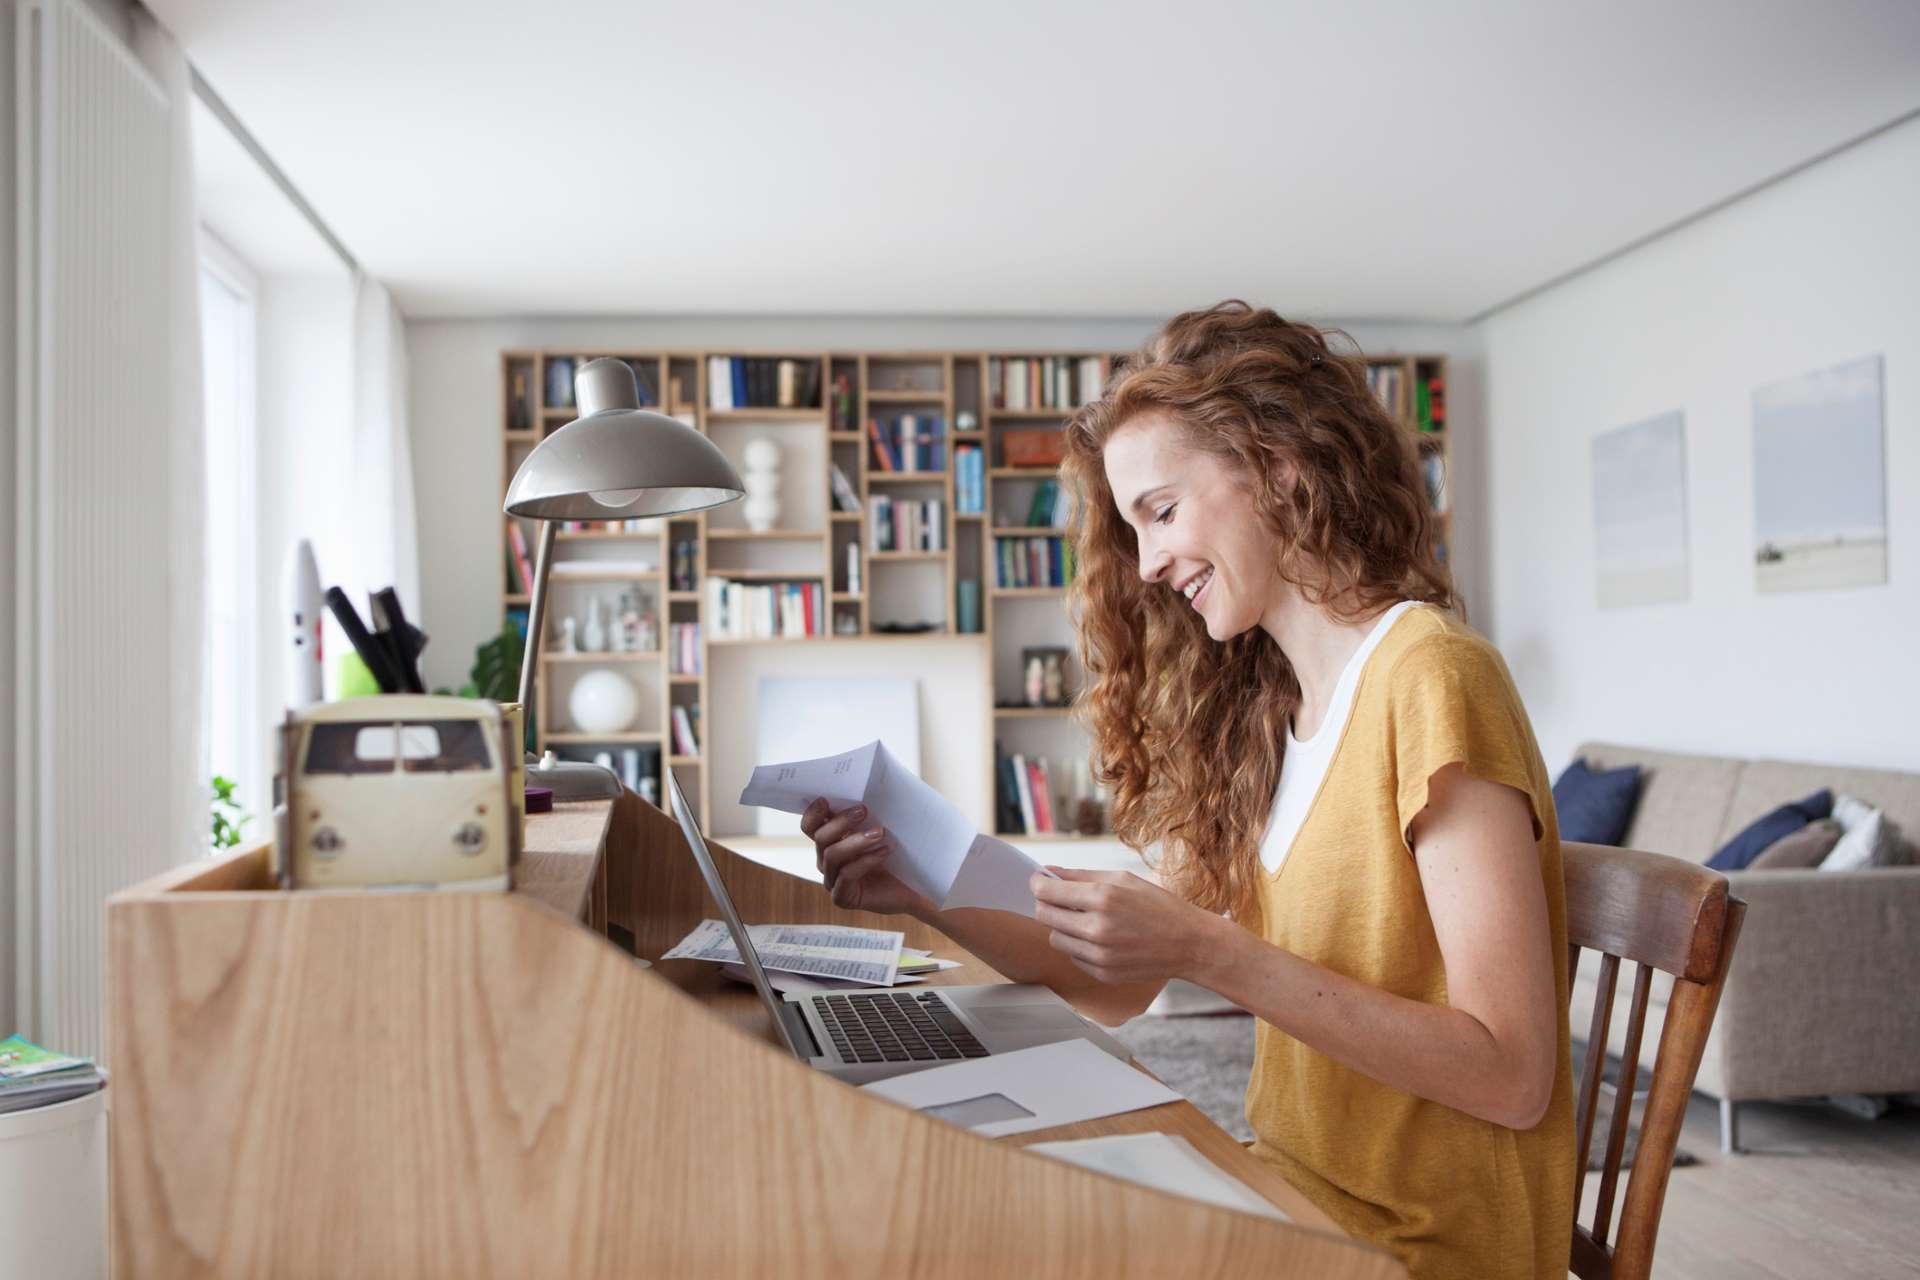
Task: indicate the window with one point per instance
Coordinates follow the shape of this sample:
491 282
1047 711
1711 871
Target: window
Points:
235 735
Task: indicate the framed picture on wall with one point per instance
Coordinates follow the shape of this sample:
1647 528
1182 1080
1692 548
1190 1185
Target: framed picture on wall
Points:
1820 480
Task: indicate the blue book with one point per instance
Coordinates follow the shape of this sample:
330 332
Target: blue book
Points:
737 369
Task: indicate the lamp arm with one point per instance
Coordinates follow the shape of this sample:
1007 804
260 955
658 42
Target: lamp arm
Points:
536 614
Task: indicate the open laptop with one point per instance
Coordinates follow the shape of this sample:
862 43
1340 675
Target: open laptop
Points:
867 1034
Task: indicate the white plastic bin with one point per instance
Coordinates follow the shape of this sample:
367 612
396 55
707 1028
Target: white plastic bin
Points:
53 1190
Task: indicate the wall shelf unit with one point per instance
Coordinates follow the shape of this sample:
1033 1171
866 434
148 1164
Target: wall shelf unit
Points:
921 556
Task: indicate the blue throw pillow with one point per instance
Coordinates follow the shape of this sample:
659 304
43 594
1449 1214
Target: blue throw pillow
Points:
1736 853
1595 805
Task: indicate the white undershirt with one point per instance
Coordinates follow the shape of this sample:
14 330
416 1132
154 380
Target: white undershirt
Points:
1305 763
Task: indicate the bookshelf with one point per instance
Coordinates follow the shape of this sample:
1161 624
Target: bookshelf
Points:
921 554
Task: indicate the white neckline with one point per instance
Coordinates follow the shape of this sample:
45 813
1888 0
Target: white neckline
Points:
1341 702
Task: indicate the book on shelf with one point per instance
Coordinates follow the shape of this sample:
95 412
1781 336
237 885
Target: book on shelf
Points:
969 479
683 648
1023 801
645 382
906 524
1430 403
684 565
685 741
910 442
523 566
853 568
967 606
761 611
844 497
1032 562
1047 382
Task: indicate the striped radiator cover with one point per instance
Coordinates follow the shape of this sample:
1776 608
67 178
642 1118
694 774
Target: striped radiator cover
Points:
95 798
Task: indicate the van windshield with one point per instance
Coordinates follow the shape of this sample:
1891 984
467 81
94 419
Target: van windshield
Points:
419 746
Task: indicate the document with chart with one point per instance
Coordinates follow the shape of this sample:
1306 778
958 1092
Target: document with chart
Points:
871 956
936 852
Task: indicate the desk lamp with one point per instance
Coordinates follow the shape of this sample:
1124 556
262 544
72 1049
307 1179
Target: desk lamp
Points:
616 461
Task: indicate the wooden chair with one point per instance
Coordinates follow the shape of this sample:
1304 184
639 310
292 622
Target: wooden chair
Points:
1667 914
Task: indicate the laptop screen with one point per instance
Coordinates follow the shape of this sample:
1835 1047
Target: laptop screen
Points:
683 813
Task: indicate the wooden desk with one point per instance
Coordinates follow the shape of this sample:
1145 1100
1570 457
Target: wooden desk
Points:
476 1085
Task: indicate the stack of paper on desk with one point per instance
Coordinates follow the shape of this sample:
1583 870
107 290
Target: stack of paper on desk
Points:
936 852
1165 1162
870 956
915 965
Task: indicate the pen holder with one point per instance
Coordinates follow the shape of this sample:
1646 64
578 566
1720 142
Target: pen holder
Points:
517 785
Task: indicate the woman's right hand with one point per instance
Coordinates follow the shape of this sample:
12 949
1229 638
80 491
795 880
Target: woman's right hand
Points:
850 853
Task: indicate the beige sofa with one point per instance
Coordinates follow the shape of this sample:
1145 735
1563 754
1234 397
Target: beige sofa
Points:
1824 995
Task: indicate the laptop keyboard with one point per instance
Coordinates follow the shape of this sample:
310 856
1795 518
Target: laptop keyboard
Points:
893 1026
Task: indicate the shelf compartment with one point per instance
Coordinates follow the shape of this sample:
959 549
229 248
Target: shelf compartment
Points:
767 415
555 578
906 477
767 535
763 575
896 556
890 396
593 739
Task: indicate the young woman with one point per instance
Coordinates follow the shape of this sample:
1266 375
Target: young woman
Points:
1354 827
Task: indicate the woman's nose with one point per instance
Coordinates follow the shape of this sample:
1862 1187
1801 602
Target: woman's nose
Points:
1153 566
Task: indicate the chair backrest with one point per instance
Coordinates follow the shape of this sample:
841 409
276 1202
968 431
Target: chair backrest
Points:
1659 913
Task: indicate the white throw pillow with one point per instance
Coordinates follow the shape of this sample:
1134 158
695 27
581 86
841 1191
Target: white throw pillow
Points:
1867 836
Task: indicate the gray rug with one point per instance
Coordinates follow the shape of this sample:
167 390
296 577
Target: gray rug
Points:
1205 1059
1208 1059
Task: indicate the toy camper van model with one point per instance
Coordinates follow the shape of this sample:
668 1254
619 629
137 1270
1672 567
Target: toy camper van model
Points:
397 791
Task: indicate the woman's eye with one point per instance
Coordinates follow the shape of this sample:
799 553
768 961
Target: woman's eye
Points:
1165 513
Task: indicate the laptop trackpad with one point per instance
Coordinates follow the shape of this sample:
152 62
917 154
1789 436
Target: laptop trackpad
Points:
1021 1026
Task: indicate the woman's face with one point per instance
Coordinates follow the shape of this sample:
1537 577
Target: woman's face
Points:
1197 529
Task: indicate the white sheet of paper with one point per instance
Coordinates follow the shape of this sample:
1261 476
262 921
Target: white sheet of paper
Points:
869 956
936 852
1061 1083
1165 1162
801 984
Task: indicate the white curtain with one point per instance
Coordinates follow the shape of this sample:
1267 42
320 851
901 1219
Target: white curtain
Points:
386 550
188 834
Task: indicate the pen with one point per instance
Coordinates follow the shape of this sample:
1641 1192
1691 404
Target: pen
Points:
390 623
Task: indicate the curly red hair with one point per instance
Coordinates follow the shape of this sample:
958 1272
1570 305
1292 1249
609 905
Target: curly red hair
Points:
1188 733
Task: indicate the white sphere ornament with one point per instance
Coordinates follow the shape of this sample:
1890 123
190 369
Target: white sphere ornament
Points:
603 702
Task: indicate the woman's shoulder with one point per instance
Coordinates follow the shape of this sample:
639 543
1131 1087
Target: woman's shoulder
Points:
1432 645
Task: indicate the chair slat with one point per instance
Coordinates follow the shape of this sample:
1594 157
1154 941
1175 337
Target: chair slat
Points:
1590 1078
1658 910
1622 1103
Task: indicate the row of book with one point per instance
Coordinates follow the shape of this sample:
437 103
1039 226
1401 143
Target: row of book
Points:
683 648
1388 383
908 442
31 1076
761 611
1047 382
1434 467
1024 796
969 479
906 524
645 524
685 741
1032 562
762 382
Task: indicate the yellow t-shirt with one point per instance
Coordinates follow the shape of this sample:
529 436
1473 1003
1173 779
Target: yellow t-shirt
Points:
1451 1195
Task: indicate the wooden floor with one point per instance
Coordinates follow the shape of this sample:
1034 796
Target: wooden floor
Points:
1816 1195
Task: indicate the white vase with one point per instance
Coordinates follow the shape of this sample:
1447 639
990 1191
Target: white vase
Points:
593 636
603 702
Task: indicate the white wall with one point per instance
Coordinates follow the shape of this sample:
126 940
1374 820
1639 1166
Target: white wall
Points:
1821 268
456 413
8 428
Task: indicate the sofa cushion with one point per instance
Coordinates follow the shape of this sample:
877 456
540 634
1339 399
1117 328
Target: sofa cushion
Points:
1775 825
1868 837
1765 783
1805 848
1683 799
1595 806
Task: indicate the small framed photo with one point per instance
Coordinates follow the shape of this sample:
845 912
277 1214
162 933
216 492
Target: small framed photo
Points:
1044 676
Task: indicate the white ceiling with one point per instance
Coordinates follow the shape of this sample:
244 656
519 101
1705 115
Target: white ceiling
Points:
1351 158
241 205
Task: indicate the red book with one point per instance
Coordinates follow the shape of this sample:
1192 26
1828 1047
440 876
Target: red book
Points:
1042 805
520 561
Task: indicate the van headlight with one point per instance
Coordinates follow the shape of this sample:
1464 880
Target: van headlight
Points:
470 838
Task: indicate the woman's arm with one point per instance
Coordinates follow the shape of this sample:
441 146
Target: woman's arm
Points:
1490 1051
852 854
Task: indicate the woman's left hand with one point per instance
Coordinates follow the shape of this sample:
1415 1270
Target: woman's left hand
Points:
1120 928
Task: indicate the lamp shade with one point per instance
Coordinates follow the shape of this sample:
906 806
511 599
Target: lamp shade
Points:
618 461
